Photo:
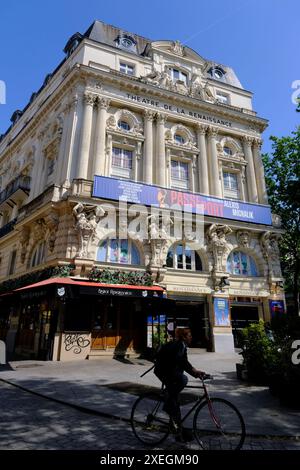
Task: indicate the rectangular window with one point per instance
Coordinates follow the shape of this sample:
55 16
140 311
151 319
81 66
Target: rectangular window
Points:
12 264
230 181
179 174
222 97
179 170
178 75
126 68
122 158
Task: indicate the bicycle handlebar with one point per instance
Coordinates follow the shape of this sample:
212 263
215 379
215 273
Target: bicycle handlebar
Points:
206 377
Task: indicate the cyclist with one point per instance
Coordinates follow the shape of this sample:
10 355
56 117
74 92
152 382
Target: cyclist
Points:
170 364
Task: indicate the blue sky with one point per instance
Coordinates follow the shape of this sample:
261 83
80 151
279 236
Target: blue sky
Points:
259 39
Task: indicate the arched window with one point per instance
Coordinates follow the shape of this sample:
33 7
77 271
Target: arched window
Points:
179 139
118 251
38 255
241 264
227 150
182 256
124 125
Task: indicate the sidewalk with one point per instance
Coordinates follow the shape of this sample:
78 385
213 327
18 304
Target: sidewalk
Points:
111 386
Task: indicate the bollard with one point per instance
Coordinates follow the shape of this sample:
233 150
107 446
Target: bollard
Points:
2 352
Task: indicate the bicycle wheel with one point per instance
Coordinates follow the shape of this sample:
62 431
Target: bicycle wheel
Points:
218 425
149 422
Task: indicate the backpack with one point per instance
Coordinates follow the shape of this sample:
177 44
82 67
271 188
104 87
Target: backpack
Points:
165 357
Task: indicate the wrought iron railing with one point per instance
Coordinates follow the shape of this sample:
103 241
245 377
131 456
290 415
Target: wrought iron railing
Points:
7 227
21 182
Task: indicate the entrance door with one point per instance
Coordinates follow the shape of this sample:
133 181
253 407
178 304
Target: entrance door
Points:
44 339
241 317
105 324
192 315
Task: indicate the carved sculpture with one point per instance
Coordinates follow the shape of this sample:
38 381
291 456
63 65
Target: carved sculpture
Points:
270 250
86 226
243 238
24 241
158 238
52 220
216 235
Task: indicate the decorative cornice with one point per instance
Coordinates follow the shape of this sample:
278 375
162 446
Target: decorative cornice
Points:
48 105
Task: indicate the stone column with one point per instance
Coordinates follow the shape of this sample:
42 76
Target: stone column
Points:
99 157
161 151
202 160
214 165
69 143
85 138
260 173
148 147
250 173
37 169
62 146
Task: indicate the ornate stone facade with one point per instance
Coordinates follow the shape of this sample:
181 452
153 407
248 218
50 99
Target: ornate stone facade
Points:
159 122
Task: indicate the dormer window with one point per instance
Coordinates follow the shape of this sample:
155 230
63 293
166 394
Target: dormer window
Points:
217 72
72 43
177 75
16 116
126 42
123 125
179 139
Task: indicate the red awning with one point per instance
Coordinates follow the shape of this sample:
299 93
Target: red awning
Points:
69 281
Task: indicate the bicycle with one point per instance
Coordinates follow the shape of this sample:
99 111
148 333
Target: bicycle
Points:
217 423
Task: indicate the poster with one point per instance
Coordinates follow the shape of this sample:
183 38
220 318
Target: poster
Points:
276 307
221 309
156 330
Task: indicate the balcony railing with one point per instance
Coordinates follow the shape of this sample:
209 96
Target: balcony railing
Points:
7 227
20 183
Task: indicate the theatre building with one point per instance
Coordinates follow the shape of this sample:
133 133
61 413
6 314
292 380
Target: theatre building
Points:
121 125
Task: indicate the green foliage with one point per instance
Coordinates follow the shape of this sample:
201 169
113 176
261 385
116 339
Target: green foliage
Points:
269 362
36 276
282 171
109 276
258 351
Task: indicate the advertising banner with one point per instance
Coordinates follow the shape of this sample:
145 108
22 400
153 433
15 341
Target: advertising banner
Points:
150 195
221 310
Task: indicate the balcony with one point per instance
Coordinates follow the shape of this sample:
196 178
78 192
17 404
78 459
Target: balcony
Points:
16 189
7 228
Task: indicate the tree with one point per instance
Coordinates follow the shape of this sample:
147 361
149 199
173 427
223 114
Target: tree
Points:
282 171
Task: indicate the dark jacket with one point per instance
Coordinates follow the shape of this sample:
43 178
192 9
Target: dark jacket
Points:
172 360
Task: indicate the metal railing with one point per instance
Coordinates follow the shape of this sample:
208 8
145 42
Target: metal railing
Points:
7 227
21 182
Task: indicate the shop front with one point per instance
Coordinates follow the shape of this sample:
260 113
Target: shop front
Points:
65 319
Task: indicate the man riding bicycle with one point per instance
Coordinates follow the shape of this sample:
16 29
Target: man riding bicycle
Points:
170 365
